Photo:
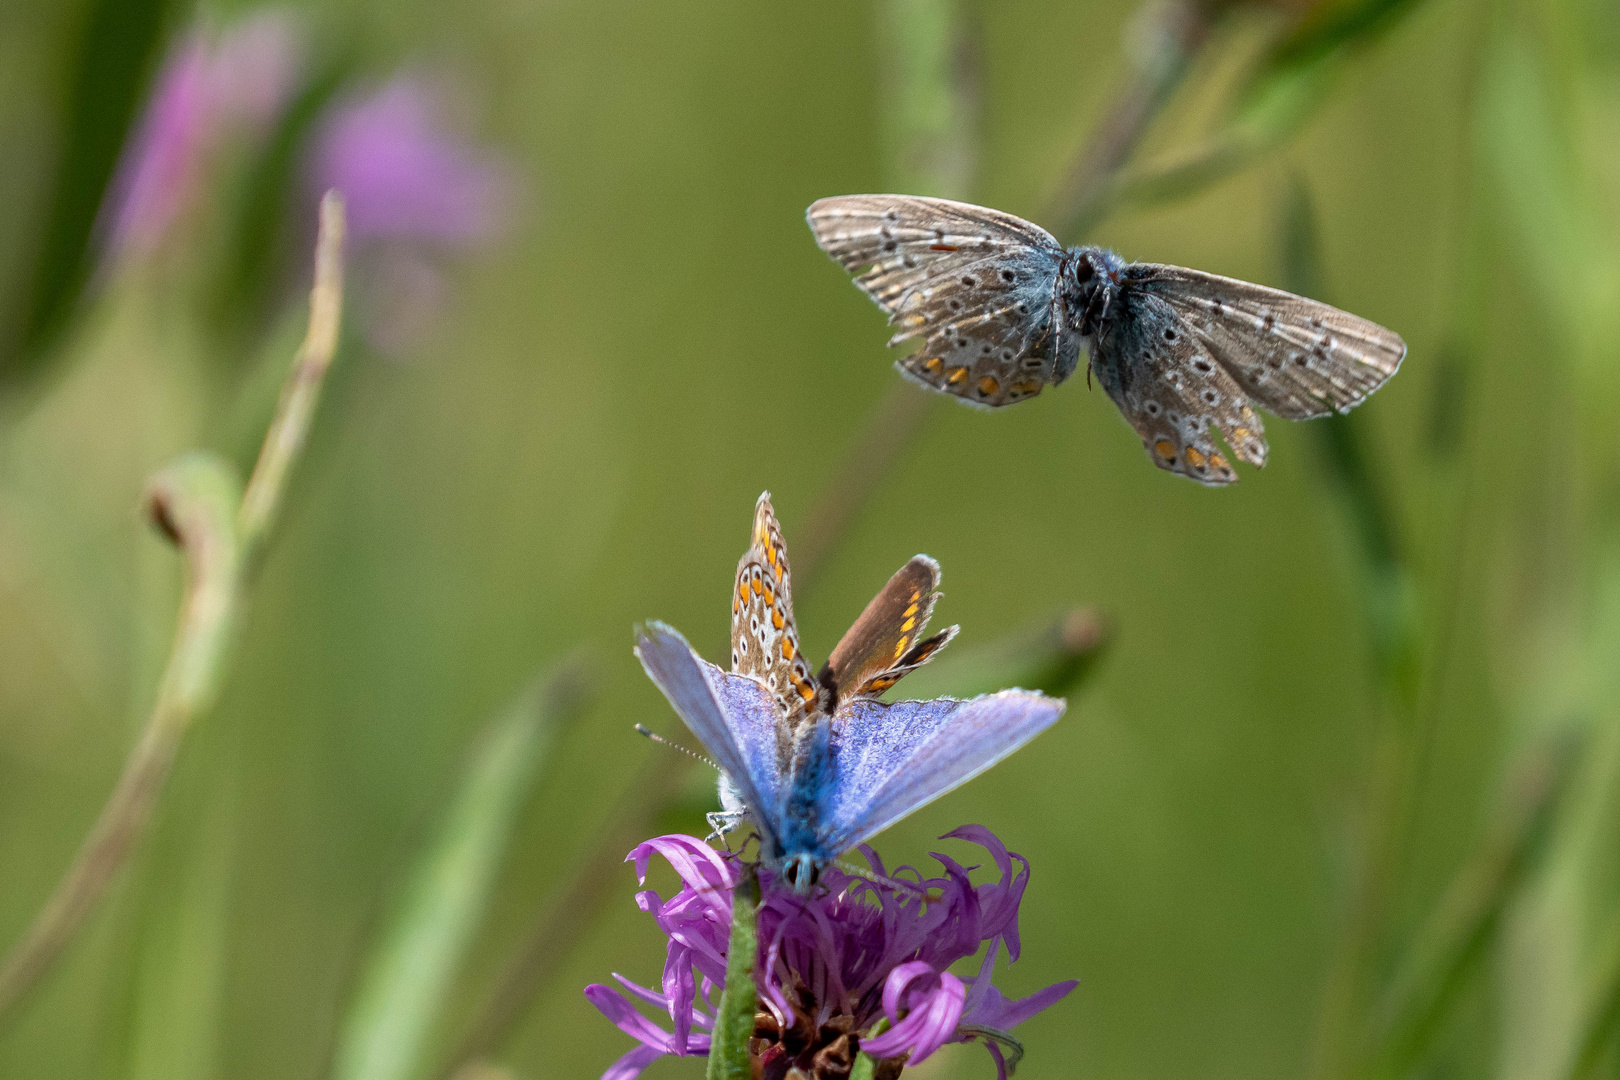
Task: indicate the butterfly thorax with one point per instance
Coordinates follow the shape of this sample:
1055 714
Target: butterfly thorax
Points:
1088 281
797 851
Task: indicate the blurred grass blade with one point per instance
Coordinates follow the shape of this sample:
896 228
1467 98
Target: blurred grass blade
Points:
734 1019
930 118
1302 63
265 214
1285 88
932 93
1437 966
1054 654
423 941
1388 595
119 50
1170 36
1602 1025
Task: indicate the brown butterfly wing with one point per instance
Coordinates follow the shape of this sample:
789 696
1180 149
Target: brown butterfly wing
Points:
764 639
887 640
1297 357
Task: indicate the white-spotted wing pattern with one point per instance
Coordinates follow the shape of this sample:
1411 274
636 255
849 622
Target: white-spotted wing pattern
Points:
1003 309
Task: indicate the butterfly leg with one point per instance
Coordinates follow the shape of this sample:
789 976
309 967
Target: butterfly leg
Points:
722 822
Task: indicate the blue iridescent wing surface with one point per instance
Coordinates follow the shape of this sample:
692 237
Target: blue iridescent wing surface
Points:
891 759
734 716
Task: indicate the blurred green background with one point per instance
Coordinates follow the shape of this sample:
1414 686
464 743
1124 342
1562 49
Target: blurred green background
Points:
1283 830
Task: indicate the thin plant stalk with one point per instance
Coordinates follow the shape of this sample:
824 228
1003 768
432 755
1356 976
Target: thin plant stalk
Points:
198 504
1169 43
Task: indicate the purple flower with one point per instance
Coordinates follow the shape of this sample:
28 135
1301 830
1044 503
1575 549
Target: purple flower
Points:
207 91
403 175
833 965
412 188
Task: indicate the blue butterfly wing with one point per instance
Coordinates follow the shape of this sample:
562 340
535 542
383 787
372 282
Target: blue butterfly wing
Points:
734 716
891 759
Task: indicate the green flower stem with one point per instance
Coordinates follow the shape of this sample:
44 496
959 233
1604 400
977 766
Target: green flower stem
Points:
734 1019
197 502
302 390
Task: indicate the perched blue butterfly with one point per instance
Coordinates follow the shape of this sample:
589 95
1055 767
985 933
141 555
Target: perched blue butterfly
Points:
816 762
1003 310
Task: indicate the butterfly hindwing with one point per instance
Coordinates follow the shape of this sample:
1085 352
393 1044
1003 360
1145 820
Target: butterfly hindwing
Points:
1297 357
977 285
887 641
764 639
1172 391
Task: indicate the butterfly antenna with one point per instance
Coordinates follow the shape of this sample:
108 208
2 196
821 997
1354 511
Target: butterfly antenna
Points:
657 738
879 879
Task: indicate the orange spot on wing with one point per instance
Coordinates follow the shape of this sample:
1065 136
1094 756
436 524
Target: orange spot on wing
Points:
908 625
788 648
776 619
1217 460
1194 457
934 366
900 647
988 385
912 610
759 587
957 375
1165 449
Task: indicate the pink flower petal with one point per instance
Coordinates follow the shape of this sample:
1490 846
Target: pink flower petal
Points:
629 1067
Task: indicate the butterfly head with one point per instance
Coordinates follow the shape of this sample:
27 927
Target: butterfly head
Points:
801 872
1087 281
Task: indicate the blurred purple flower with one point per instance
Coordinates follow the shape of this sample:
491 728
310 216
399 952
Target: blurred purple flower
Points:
205 92
832 966
410 185
403 175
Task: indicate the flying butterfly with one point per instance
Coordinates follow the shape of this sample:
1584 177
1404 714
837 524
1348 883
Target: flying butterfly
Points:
816 762
1003 311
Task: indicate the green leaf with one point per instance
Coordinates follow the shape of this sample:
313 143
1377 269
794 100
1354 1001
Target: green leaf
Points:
117 54
404 984
734 1020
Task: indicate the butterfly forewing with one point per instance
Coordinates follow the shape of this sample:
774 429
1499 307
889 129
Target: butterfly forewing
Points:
977 285
887 640
764 639
735 718
1297 357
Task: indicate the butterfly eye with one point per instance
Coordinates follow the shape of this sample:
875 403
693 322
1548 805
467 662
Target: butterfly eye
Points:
1085 271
